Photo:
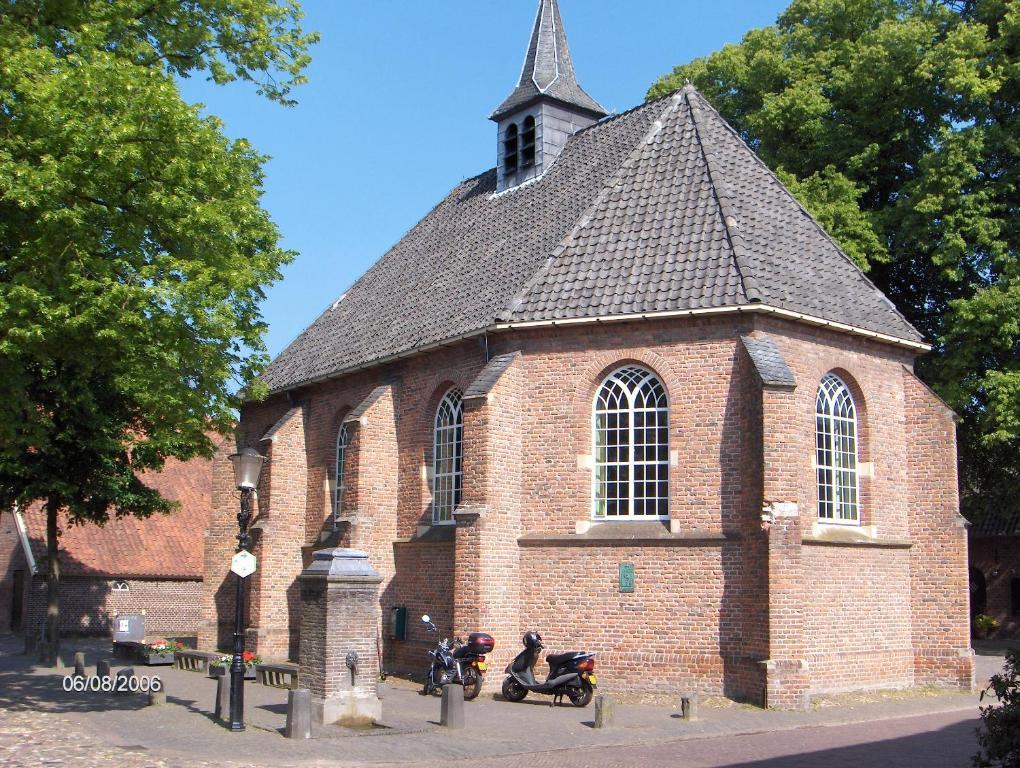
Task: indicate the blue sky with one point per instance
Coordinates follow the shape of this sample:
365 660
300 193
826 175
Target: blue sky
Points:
395 114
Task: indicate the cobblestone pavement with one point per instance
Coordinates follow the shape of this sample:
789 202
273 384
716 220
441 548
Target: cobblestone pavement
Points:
40 725
29 739
933 741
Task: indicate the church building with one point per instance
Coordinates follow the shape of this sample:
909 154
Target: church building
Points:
623 390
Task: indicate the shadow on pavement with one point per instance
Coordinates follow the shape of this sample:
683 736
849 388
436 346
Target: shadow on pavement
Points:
22 690
948 747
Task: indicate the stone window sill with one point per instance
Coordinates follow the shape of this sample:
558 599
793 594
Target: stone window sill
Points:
644 533
845 536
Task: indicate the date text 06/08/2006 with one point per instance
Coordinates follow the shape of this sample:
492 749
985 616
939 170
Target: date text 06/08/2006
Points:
119 684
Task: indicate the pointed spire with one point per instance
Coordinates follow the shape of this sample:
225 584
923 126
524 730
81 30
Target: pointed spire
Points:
548 69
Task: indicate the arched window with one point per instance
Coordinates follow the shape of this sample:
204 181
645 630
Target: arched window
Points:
342 441
510 149
447 449
528 142
631 436
836 452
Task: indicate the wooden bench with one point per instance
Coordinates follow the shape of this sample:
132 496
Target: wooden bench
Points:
278 675
195 661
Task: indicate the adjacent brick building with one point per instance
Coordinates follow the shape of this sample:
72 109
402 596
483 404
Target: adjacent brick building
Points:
995 573
626 346
129 565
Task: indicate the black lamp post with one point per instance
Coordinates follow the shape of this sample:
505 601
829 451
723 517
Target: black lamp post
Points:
247 467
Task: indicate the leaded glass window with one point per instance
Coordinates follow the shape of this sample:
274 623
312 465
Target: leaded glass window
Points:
342 441
631 425
447 449
836 453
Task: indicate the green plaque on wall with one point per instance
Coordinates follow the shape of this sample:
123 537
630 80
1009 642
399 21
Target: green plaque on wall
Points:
626 577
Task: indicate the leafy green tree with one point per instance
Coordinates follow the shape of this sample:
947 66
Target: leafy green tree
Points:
133 245
999 733
897 124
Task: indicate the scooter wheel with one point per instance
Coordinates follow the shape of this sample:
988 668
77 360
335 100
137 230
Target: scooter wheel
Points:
512 690
583 698
472 684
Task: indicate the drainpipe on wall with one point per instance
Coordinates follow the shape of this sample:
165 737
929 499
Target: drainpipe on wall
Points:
19 522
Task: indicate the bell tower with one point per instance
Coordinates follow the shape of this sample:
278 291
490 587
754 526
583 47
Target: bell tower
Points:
545 109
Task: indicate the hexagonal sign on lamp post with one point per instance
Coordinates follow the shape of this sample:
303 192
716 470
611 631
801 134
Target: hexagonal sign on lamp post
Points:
243 563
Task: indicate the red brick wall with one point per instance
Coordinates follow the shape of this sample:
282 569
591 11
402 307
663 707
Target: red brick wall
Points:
940 599
998 559
856 630
12 558
424 584
667 631
87 606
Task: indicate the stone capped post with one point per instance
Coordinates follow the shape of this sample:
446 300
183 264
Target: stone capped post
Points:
340 616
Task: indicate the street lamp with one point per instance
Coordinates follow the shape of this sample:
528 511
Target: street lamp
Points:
247 467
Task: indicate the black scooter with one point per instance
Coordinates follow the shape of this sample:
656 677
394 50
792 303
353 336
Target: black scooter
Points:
457 662
570 674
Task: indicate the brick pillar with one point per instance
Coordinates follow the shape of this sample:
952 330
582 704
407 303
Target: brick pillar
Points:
487 574
786 674
339 619
217 626
939 590
278 533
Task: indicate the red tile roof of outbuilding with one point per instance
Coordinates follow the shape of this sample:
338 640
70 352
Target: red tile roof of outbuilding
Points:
161 546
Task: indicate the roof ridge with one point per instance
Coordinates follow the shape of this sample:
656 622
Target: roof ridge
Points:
723 195
518 299
821 230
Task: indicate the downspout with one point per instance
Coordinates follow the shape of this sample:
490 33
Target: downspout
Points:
19 522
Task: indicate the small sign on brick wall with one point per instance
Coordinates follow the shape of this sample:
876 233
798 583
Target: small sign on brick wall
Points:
626 577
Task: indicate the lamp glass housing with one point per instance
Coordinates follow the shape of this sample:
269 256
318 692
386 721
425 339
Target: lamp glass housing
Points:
247 468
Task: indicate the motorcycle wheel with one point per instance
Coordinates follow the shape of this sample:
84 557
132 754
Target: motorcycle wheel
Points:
431 686
472 683
512 690
582 699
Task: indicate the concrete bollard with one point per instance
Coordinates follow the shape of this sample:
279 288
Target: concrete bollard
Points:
299 714
158 698
48 655
451 712
605 711
689 706
102 669
221 711
79 664
124 687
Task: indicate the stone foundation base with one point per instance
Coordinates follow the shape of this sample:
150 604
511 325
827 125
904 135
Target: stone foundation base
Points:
946 669
787 684
348 709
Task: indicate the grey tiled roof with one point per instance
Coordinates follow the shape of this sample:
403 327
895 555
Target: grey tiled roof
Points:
548 69
661 208
769 361
994 524
490 374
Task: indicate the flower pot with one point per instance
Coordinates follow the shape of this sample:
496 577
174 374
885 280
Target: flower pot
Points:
218 671
156 660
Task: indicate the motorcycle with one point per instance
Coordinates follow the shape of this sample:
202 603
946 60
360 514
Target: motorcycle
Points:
458 662
570 674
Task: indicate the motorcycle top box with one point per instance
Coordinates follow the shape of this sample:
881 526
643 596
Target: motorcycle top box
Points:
479 643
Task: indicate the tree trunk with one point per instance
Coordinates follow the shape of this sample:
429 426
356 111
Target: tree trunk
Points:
52 653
